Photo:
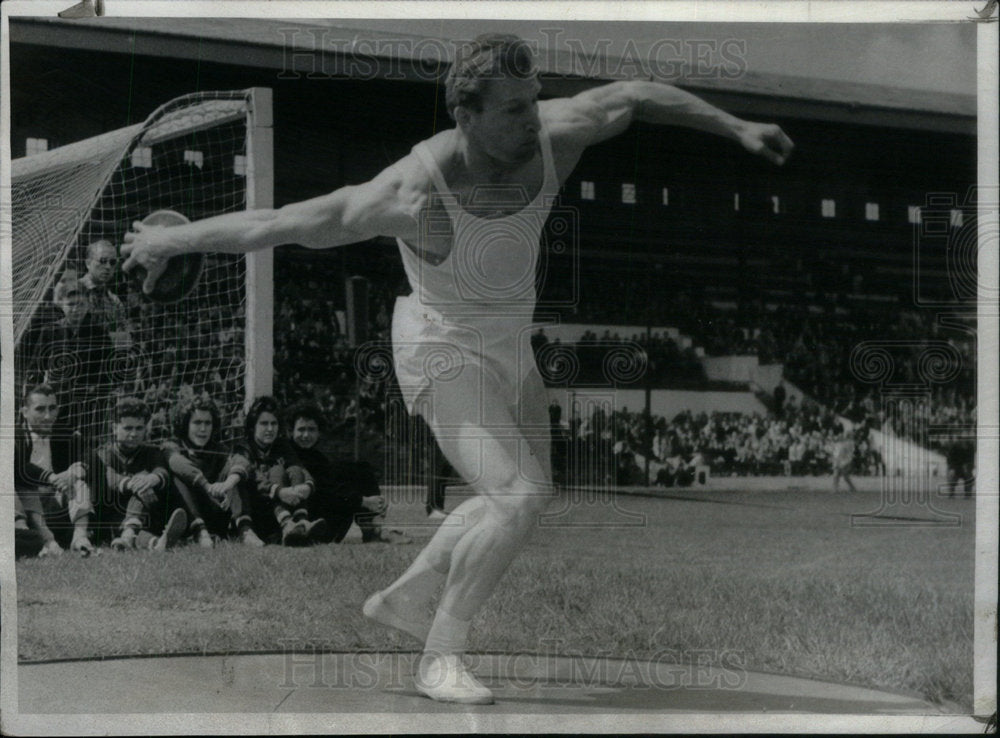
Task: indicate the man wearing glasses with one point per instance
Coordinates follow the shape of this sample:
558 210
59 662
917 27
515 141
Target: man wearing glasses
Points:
108 315
105 306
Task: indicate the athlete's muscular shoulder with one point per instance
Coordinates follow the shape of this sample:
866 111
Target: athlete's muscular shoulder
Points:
574 123
390 204
387 205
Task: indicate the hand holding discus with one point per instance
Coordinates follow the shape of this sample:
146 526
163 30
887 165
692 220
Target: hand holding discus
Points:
152 256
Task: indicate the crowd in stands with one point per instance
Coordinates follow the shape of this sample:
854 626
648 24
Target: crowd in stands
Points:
813 337
800 443
820 354
811 331
815 346
313 359
611 360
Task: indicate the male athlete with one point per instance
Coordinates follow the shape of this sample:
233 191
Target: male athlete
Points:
466 208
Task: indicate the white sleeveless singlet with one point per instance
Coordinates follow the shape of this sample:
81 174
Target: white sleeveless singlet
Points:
474 310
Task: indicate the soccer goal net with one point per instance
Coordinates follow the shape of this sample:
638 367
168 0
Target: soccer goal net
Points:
201 155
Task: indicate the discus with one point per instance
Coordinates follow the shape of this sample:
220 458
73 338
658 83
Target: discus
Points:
182 272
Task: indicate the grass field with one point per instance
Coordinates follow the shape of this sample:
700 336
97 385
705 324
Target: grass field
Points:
779 581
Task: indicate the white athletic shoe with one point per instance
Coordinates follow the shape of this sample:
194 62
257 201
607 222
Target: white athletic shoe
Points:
445 679
437 514
381 611
173 531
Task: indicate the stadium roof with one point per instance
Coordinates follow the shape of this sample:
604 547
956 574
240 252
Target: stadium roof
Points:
321 48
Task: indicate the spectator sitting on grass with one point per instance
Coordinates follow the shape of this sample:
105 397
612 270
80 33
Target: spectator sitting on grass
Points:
213 483
49 475
282 484
130 486
346 491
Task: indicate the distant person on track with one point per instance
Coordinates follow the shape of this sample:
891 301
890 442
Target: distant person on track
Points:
467 207
842 458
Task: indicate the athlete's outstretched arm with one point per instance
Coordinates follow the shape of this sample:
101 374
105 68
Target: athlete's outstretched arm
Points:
384 206
602 112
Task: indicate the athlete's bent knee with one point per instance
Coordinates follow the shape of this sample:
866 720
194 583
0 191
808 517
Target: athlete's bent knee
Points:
519 506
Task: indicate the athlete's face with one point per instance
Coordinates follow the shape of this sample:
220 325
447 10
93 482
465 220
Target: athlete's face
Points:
200 427
508 125
40 413
129 433
305 433
266 430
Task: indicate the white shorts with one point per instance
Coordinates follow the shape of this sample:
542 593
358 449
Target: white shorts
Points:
430 350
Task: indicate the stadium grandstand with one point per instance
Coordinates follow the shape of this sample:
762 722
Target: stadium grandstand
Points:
694 306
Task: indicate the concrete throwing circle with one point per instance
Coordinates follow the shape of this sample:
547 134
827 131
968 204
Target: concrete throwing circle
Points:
324 682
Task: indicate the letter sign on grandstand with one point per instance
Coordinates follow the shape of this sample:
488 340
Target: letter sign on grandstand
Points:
35 146
142 157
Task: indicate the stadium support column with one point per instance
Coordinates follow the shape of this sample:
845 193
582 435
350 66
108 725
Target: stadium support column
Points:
260 264
647 409
356 293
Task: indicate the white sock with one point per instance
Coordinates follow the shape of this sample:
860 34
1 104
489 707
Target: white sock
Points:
447 635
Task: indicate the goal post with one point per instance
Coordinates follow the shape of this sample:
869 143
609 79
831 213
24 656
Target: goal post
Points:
260 264
201 155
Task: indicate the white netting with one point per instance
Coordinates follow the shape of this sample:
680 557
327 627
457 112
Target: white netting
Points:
189 156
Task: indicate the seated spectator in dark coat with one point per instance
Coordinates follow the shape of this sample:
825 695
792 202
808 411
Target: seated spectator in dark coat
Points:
49 475
281 485
133 500
214 485
346 492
